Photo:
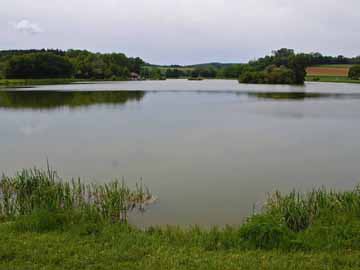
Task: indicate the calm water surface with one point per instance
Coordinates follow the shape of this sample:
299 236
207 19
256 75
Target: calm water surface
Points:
209 149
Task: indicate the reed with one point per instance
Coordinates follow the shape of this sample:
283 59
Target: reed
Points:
300 210
34 189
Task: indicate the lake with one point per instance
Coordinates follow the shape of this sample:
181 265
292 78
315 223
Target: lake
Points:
209 150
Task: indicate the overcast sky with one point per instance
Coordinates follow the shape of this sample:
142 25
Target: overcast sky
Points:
183 31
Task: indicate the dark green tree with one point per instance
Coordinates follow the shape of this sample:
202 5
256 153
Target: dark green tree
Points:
38 65
298 64
354 72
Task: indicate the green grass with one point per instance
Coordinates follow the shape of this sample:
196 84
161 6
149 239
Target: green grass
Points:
333 79
119 248
25 82
29 82
36 190
319 229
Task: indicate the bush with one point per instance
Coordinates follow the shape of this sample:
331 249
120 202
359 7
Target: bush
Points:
265 231
354 72
41 220
299 211
272 75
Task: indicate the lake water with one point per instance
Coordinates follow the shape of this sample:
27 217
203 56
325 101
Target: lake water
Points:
209 150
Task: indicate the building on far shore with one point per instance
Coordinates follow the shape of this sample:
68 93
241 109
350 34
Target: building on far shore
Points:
134 76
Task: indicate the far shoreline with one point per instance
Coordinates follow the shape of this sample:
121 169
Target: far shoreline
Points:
9 83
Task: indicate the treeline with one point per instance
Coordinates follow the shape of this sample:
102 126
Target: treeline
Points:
80 64
282 57
283 66
176 72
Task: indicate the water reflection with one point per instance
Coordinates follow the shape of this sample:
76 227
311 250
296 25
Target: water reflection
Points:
300 95
272 95
49 100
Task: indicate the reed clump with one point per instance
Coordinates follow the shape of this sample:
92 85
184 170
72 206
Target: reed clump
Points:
300 210
35 189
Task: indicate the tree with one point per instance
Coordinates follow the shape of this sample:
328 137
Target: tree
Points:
38 65
155 74
354 72
298 64
63 64
284 52
271 75
283 67
282 56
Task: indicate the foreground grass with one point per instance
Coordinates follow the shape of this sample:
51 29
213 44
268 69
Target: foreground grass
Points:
333 79
47 223
116 248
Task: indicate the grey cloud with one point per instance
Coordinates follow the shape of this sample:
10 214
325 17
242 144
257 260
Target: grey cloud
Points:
186 31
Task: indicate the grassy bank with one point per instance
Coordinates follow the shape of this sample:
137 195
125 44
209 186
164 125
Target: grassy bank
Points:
25 82
120 248
332 79
29 82
51 224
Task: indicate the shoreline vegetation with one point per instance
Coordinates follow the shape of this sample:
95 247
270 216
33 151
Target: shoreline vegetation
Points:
283 66
9 83
51 81
330 79
29 82
49 223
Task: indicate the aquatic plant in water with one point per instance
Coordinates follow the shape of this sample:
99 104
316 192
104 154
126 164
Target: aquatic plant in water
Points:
34 189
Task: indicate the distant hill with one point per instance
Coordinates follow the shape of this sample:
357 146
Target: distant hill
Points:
216 65
212 64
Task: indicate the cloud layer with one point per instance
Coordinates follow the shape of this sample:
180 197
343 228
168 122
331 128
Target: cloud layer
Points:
185 31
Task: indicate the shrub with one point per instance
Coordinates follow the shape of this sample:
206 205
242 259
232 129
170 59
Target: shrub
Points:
41 220
265 231
272 75
354 72
300 210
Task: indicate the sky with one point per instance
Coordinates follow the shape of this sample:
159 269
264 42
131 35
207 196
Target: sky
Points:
183 31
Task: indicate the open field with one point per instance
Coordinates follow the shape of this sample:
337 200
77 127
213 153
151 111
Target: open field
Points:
332 79
328 71
336 66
